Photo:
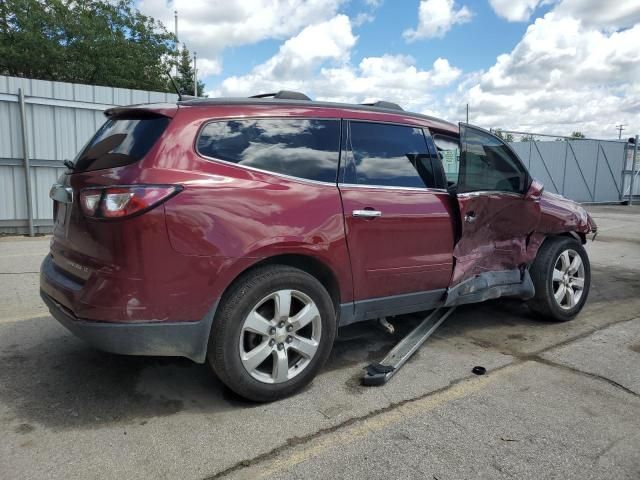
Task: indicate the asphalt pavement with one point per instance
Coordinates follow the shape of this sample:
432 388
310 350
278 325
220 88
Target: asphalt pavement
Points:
558 400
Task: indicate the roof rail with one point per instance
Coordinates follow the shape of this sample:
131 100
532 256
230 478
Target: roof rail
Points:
384 104
283 95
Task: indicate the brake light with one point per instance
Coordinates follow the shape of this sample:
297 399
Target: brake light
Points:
124 201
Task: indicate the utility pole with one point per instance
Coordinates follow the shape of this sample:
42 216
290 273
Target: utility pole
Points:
195 74
467 113
633 170
620 128
175 13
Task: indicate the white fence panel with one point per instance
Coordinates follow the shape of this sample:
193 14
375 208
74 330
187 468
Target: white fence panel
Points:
61 117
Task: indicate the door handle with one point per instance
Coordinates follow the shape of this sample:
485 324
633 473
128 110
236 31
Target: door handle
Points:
470 217
367 213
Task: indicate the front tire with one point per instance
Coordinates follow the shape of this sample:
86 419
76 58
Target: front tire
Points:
273 332
561 275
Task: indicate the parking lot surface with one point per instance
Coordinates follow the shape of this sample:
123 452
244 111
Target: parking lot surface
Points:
558 400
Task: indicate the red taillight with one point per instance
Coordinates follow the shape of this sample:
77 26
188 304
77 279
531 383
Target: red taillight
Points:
124 201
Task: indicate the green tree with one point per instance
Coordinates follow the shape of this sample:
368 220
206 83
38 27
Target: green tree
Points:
184 80
527 138
577 135
99 42
507 137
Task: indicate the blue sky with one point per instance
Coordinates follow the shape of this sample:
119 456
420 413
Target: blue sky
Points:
491 36
549 66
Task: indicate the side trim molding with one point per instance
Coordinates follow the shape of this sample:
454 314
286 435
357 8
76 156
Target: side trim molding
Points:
361 310
489 285
485 286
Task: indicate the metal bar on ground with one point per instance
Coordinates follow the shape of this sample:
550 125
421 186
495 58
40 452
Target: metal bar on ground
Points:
633 171
25 155
380 373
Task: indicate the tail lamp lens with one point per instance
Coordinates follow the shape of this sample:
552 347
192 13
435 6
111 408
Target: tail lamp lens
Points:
121 202
89 201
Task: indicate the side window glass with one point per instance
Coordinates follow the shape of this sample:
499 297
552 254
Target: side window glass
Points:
449 153
440 180
488 165
297 147
390 155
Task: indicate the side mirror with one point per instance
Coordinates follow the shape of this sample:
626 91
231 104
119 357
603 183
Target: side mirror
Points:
535 190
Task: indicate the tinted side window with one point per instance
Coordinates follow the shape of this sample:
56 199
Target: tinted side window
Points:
487 164
390 155
297 147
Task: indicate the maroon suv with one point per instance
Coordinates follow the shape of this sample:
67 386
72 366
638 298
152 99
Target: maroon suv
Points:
244 232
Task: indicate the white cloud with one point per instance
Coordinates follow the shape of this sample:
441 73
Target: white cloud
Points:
562 76
602 14
515 10
297 58
435 19
597 13
208 67
577 68
210 27
316 61
362 18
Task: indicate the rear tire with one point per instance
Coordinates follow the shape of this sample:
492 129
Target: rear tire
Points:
273 332
561 275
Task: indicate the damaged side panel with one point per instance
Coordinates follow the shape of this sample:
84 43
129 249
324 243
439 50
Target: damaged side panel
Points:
506 235
559 216
496 229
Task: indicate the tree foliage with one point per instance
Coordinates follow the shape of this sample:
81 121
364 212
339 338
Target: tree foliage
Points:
507 137
99 42
577 135
184 80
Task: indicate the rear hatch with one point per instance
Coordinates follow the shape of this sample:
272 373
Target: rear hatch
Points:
115 155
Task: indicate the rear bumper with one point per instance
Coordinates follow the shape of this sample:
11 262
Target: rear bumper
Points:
175 339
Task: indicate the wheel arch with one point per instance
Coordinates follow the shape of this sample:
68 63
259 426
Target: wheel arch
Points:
307 263
581 237
537 239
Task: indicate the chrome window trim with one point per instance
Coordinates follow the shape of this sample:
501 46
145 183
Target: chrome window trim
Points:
490 192
261 170
390 187
386 122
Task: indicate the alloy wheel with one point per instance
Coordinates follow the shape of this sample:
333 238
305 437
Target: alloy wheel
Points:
568 279
280 336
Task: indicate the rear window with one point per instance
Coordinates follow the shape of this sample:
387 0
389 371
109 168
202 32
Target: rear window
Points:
302 148
119 142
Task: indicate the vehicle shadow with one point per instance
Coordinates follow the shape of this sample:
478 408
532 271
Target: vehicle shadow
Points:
51 378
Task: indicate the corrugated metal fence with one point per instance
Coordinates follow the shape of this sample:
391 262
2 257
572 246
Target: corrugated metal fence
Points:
60 119
588 171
